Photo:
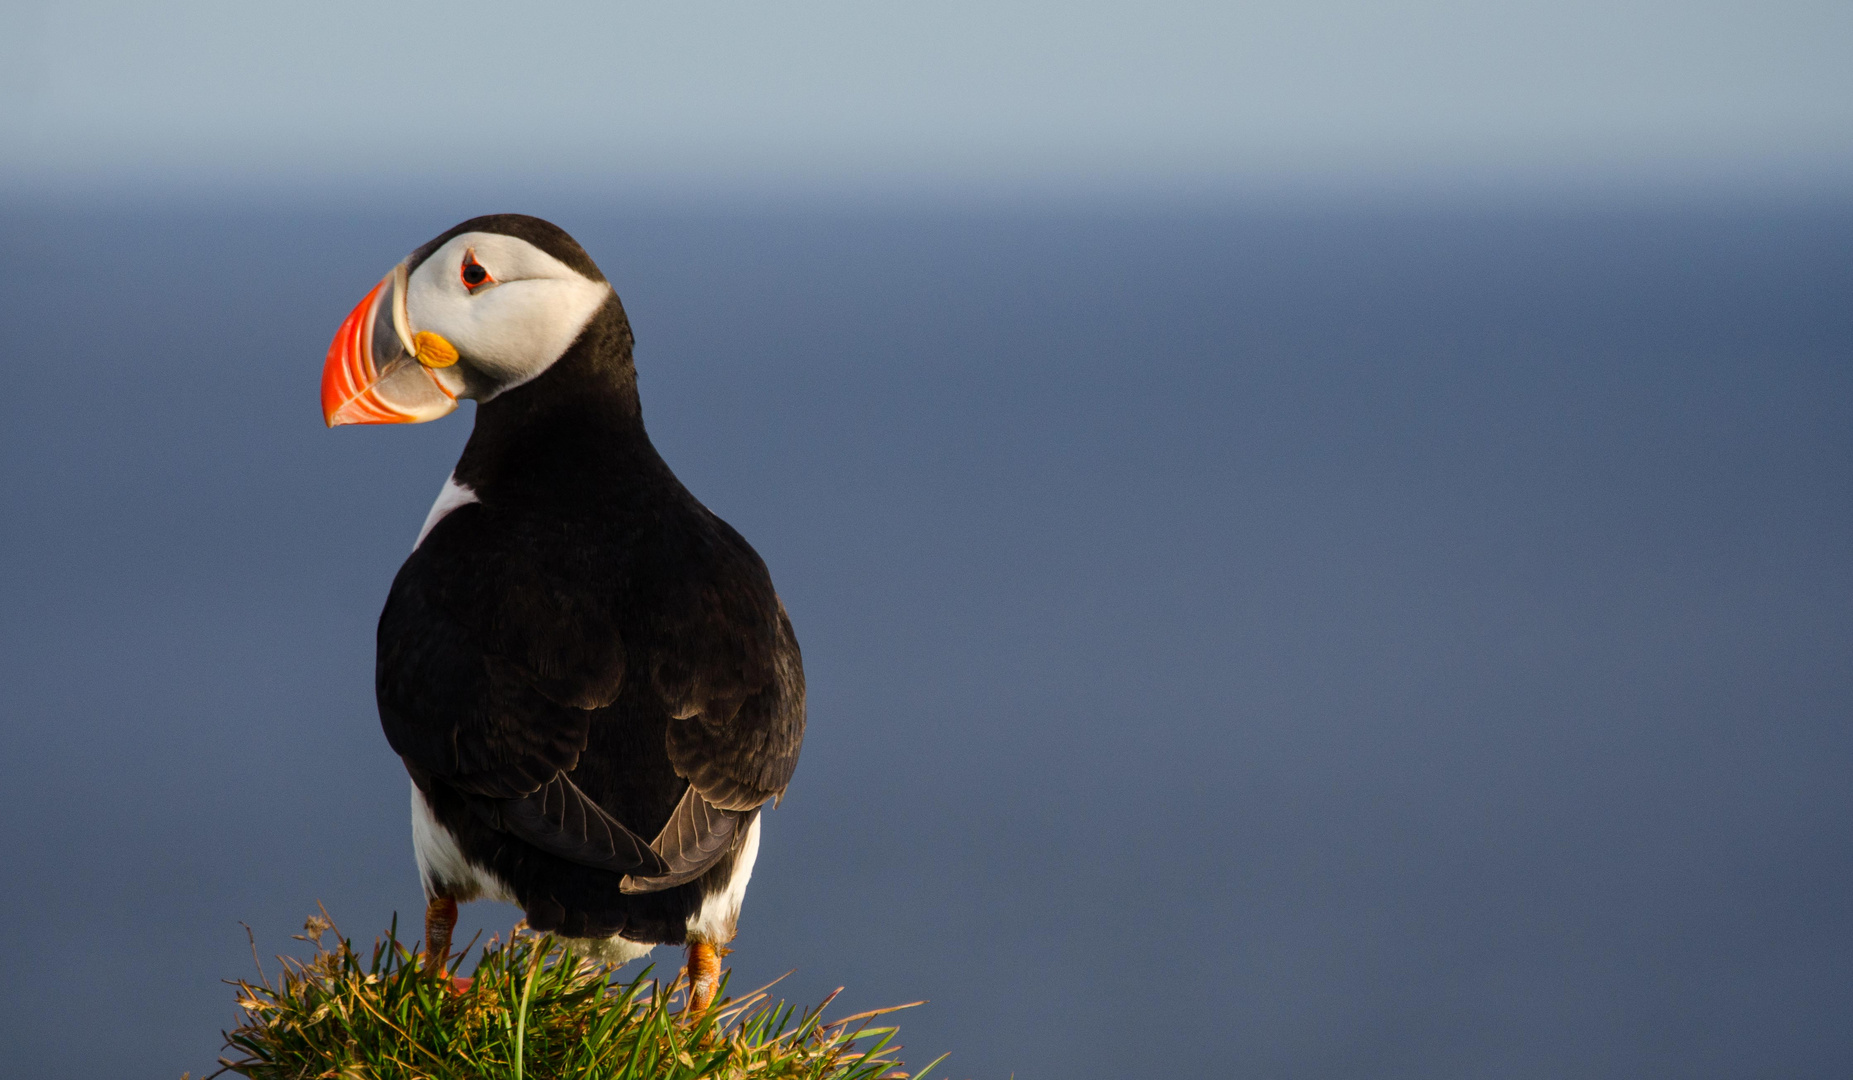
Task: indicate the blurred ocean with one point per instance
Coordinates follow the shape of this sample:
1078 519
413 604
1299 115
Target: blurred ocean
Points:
1391 641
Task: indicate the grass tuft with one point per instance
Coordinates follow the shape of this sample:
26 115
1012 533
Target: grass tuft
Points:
535 1010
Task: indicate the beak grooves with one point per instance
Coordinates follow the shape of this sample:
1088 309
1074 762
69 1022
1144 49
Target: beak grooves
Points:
349 374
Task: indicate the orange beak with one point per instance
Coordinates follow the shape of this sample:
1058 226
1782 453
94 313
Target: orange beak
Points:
372 375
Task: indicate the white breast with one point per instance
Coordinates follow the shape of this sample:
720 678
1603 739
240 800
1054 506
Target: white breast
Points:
451 496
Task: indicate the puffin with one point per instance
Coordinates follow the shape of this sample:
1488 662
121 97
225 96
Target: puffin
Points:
588 675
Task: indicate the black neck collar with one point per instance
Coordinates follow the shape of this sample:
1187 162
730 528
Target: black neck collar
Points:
578 423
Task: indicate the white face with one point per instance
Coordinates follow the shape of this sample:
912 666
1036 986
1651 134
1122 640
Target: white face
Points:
513 325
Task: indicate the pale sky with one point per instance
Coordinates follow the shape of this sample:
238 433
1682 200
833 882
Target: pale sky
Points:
868 96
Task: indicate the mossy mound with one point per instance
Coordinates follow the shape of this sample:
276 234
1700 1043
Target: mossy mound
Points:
534 1010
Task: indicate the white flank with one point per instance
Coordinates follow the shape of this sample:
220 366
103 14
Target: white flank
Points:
441 861
451 496
613 950
719 916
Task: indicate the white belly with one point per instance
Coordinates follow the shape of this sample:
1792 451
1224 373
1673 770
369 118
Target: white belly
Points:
719 915
441 865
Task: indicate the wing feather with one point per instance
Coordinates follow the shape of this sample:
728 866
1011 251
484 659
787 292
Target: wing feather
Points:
697 835
736 726
562 820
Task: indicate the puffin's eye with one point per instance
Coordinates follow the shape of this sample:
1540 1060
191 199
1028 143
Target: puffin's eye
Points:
473 273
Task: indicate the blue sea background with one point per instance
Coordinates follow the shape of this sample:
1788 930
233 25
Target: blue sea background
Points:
1348 637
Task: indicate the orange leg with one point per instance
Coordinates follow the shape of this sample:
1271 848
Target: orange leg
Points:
704 975
440 917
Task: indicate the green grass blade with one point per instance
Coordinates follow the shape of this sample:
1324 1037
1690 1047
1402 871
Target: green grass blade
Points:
535 1008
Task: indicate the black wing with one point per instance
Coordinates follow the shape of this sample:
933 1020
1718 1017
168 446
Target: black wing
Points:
732 679
697 835
481 685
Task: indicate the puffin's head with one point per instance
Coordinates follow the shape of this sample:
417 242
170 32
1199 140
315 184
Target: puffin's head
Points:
481 309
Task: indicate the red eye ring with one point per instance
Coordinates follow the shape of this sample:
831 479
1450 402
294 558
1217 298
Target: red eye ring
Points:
473 273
